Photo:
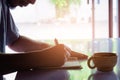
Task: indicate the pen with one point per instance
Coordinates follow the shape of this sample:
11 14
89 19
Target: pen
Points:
56 41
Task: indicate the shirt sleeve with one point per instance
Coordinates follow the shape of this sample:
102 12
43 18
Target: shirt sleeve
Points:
12 31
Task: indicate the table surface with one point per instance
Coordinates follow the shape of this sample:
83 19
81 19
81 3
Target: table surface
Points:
78 74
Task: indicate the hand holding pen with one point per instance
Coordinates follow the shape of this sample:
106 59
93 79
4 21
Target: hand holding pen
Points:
68 50
72 53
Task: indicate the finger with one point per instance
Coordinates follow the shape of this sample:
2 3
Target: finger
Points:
67 53
80 56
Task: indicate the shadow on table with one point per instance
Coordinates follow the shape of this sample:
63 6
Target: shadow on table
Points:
103 76
43 75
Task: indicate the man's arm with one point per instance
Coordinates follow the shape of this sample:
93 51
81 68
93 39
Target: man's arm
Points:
49 57
24 44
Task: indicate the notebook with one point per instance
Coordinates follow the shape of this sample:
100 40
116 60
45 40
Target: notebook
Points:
71 64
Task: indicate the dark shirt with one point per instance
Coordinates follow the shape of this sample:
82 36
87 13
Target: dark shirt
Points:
8 30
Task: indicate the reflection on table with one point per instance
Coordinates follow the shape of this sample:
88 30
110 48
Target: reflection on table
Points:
43 75
98 75
66 75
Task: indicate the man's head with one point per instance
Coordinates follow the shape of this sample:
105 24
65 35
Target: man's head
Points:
21 3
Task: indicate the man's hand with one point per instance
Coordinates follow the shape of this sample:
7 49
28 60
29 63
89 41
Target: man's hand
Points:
71 53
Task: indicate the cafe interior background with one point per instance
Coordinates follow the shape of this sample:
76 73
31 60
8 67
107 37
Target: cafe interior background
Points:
83 25
79 24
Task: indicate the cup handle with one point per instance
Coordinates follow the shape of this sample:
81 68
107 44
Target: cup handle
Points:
89 61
